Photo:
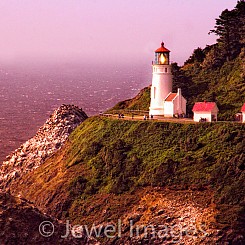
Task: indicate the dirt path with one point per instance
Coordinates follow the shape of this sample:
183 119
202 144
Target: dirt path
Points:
141 118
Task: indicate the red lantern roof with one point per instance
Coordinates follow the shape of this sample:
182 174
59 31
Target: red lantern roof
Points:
204 106
243 108
162 49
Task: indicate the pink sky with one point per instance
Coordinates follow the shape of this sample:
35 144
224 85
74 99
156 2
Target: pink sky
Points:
105 30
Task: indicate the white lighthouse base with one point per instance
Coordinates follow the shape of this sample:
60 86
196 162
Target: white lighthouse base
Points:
156 111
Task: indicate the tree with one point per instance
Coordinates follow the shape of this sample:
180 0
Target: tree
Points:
197 56
240 9
230 30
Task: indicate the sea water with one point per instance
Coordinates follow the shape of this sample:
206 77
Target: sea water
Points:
30 93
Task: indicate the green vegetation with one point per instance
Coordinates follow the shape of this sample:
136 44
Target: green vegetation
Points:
115 157
122 155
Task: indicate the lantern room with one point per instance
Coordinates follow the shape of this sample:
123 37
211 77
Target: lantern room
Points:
162 56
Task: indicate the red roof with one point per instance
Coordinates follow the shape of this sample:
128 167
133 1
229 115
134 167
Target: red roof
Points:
204 106
243 108
162 49
171 97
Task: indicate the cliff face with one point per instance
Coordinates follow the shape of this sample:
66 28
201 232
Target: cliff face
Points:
49 138
21 223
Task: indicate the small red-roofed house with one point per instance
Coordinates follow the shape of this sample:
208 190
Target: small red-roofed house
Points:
205 111
174 104
243 113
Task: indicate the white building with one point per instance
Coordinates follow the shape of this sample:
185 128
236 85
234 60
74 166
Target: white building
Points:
163 101
174 104
205 111
243 113
161 80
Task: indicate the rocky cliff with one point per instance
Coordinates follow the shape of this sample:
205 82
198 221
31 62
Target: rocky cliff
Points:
49 138
22 223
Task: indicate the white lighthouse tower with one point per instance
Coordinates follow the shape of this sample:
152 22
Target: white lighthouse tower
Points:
161 81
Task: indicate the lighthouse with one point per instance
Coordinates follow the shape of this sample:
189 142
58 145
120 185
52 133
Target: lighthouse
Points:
161 81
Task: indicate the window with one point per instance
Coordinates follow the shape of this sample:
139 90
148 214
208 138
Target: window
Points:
166 70
154 96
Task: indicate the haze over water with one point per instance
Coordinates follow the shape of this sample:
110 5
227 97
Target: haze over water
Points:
28 95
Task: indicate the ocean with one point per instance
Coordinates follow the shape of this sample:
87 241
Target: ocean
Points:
30 93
